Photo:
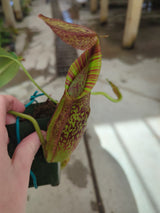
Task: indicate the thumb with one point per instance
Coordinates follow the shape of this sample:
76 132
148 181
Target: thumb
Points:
25 152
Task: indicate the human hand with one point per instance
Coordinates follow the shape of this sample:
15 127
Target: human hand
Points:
14 173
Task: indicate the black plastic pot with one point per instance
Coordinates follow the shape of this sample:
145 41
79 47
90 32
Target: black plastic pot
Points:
46 173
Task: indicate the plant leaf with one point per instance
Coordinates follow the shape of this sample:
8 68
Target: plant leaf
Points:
76 35
8 67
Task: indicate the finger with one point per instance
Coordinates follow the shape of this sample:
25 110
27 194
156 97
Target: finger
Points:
10 119
25 152
8 102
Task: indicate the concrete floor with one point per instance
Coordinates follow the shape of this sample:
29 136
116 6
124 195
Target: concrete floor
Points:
123 138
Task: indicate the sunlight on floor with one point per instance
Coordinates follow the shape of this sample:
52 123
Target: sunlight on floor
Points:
135 145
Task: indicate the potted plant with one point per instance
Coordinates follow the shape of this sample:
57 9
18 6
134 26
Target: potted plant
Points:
69 116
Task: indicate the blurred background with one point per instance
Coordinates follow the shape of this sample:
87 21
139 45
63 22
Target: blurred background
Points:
116 168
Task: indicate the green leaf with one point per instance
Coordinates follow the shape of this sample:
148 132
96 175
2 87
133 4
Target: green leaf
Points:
9 66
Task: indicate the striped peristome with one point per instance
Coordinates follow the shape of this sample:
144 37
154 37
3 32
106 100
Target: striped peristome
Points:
70 118
91 59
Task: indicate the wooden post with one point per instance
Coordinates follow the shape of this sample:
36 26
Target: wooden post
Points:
103 11
93 6
132 22
8 13
17 9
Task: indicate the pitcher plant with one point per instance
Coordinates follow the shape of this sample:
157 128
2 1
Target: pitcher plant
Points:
69 120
